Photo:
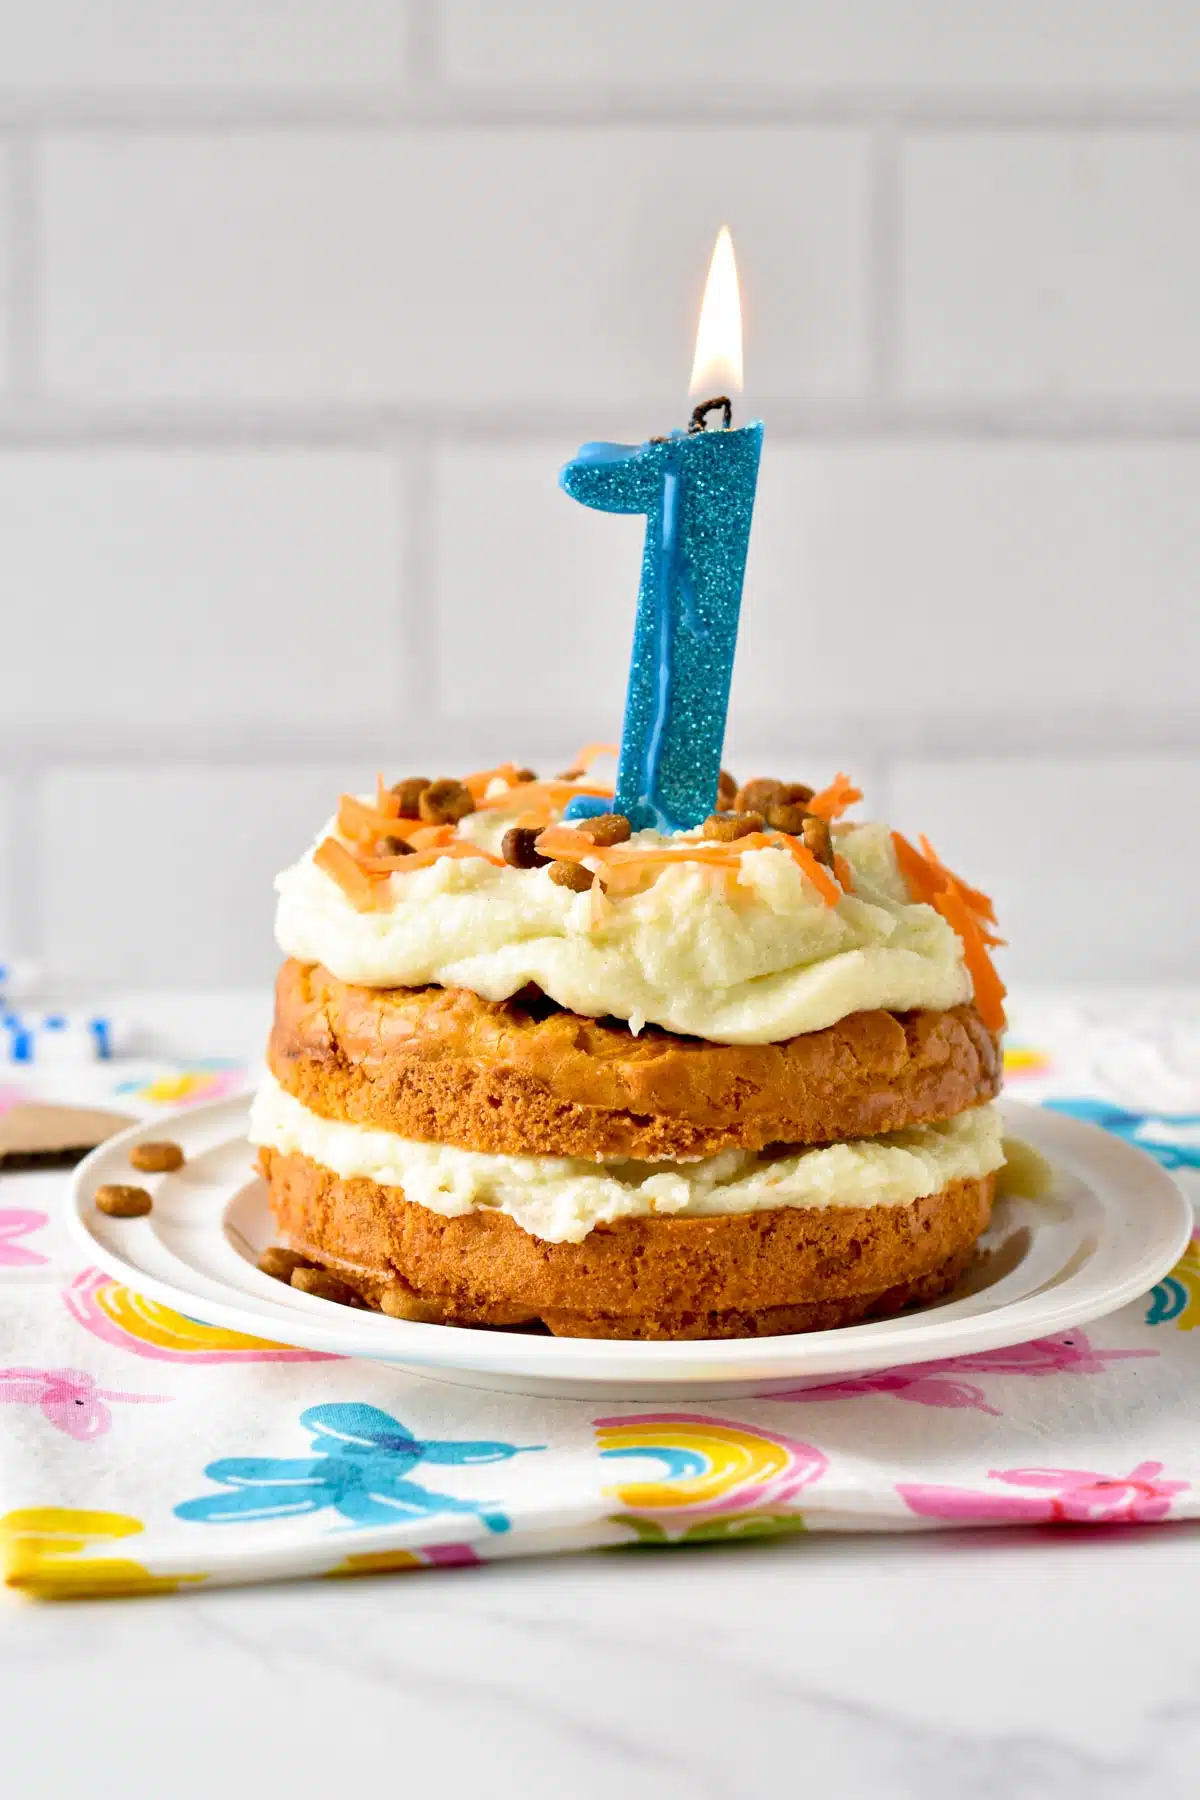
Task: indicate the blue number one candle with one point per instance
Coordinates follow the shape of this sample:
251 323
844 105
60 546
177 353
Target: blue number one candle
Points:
696 489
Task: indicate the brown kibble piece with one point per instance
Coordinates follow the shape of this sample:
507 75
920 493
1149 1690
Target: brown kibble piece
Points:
120 1201
394 846
727 788
816 837
757 795
607 828
785 815
400 1302
517 849
445 802
408 793
321 1283
281 1264
525 775
571 875
156 1159
727 827
795 793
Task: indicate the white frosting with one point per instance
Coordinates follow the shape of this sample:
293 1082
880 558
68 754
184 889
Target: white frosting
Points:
750 959
561 1198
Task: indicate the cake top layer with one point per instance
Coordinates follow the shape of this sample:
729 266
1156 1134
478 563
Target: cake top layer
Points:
778 918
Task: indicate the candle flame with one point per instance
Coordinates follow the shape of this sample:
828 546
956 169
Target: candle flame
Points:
717 368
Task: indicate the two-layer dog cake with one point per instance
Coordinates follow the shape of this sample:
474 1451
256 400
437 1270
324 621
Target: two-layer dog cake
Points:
728 1082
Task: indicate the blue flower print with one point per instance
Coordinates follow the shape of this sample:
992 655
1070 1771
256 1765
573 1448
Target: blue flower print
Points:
1149 1131
360 1463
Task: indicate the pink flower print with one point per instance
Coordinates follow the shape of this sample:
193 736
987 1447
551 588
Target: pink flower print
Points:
937 1384
68 1398
17 1222
1066 1496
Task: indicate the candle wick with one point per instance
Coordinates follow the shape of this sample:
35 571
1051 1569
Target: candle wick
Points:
699 418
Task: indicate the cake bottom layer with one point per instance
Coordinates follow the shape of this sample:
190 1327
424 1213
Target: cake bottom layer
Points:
751 1274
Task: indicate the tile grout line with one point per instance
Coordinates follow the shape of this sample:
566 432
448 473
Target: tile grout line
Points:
430 99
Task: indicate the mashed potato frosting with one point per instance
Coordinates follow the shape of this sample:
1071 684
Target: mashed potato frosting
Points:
751 957
562 1198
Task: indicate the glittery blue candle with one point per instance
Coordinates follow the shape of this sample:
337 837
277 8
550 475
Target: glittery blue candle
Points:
697 491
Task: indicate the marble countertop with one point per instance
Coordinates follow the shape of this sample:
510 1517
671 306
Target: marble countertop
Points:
960 1666
1031 1664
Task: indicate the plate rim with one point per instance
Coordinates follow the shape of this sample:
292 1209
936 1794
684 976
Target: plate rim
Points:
587 1362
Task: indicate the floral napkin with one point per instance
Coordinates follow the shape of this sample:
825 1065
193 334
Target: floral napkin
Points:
143 1451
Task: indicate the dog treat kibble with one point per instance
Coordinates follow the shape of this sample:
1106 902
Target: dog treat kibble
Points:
726 827
607 828
757 795
525 775
815 837
517 849
785 815
400 1302
394 846
281 1264
571 875
408 793
120 1201
445 802
795 793
156 1159
321 1283
727 788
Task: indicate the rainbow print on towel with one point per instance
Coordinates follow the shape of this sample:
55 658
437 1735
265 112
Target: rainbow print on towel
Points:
1176 1299
117 1315
715 1478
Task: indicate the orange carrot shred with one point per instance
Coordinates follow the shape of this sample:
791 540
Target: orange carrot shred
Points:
978 901
832 801
429 837
536 793
817 873
591 753
336 861
844 873
423 859
989 989
930 881
364 824
478 783
385 801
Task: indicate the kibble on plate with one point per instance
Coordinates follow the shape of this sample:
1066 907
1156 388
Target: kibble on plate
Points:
120 1200
157 1158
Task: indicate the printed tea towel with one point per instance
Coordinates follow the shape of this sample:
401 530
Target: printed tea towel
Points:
142 1451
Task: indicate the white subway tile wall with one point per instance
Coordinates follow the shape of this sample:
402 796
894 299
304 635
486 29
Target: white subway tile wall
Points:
303 302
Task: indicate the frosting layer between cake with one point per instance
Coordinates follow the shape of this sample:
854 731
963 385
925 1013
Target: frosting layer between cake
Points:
561 1199
753 958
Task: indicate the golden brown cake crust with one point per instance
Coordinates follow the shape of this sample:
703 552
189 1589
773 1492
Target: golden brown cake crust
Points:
443 1065
734 1275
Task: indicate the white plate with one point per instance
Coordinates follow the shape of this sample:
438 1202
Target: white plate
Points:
1111 1226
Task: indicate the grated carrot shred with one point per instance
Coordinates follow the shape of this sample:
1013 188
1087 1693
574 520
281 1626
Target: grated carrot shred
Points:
428 837
833 800
363 823
385 801
334 860
844 873
989 989
592 753
477 784
978 901
422 859
929 880
550 793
